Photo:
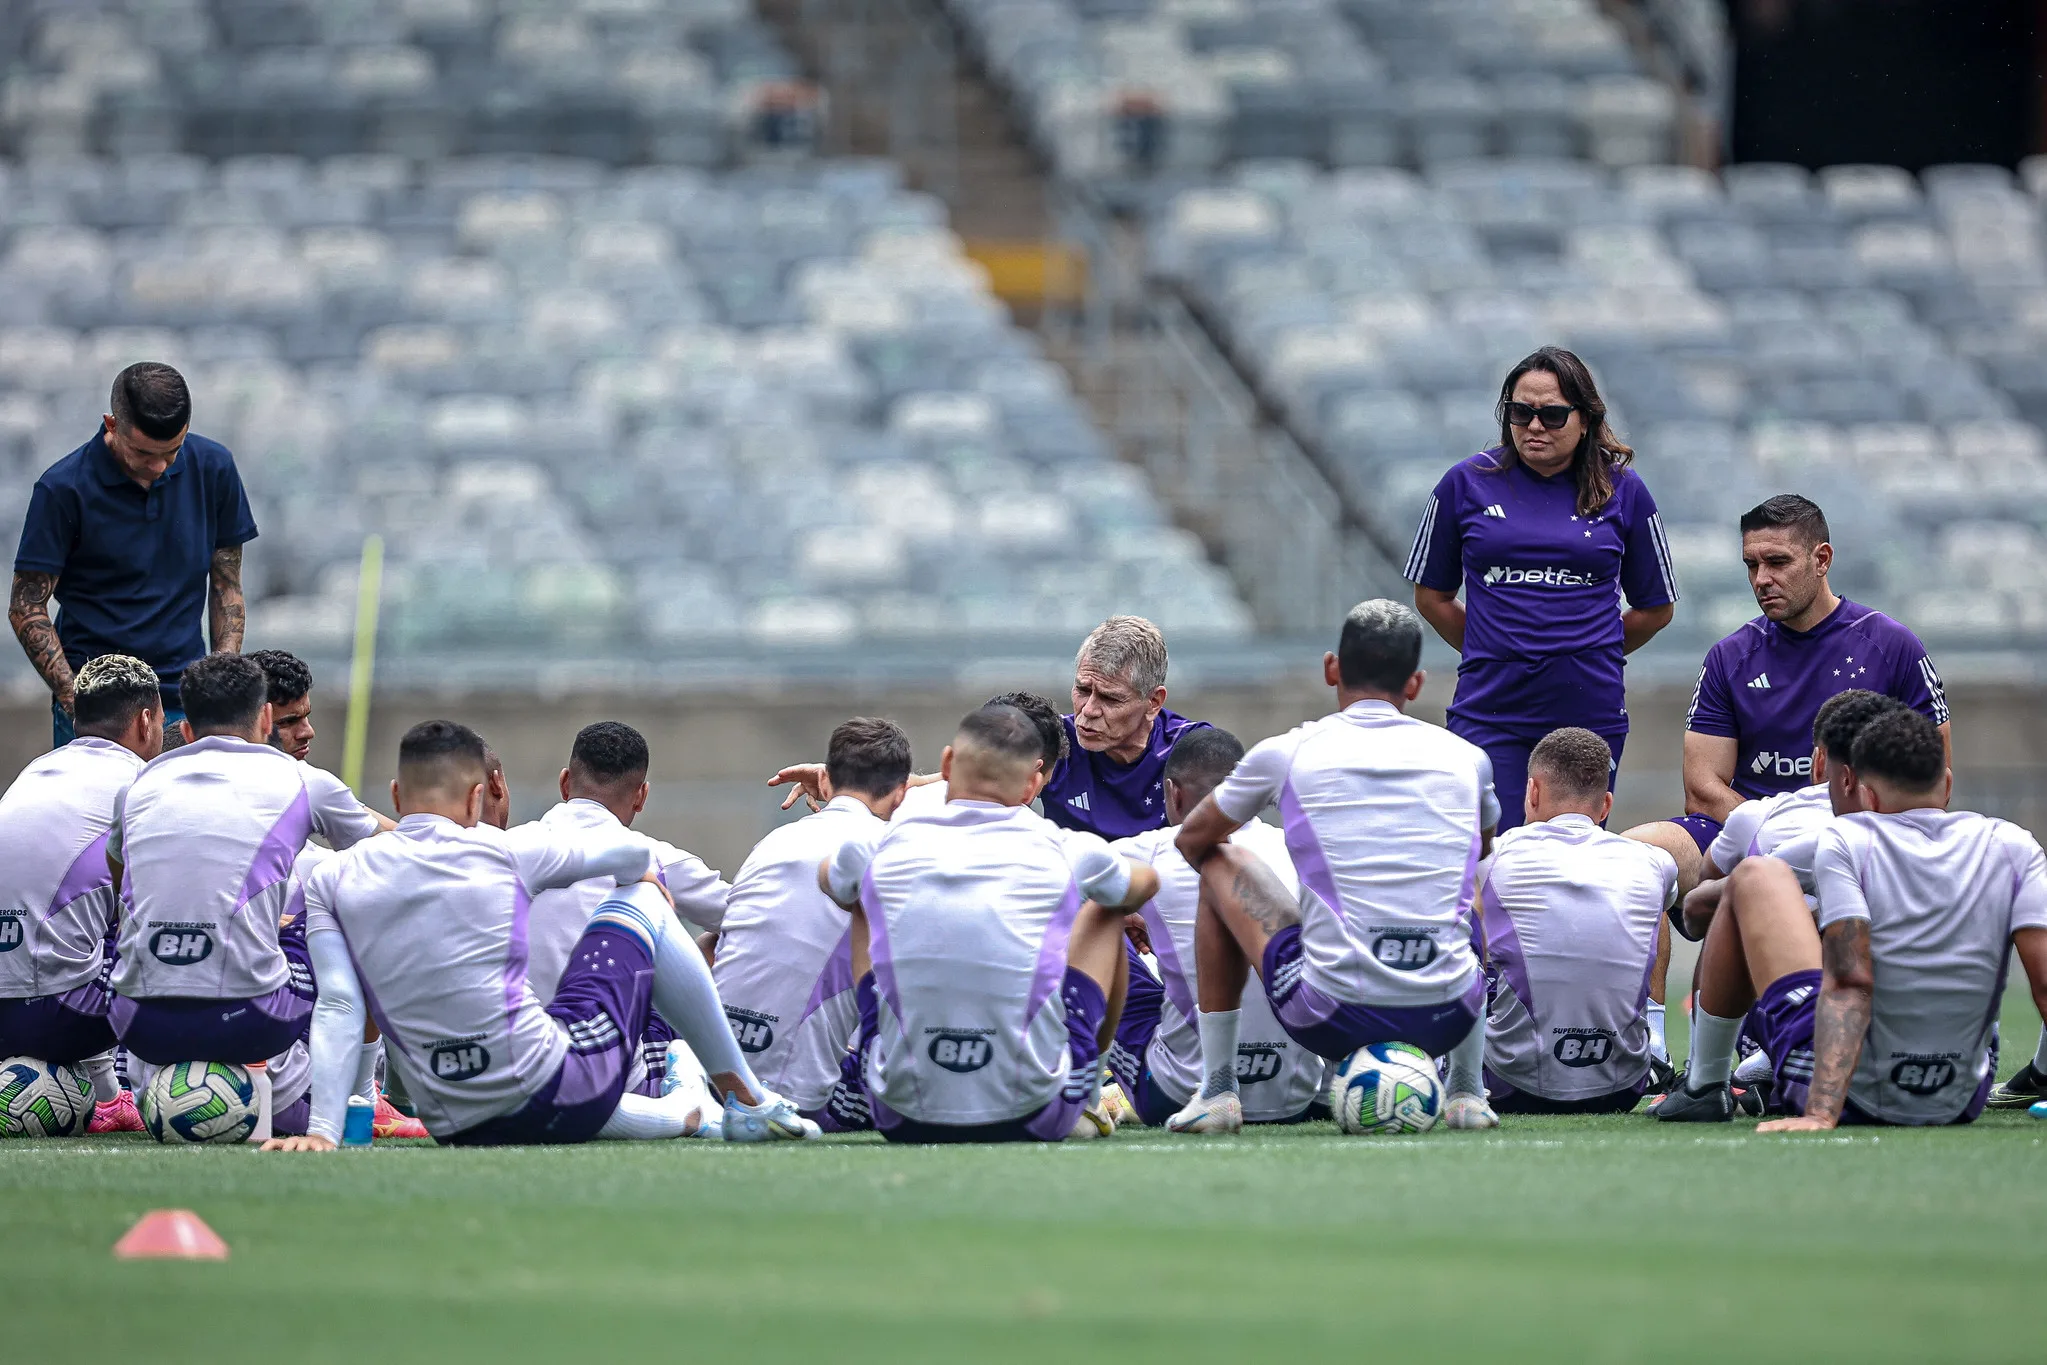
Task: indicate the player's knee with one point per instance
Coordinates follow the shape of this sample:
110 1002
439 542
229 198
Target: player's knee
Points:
1763 885
639 912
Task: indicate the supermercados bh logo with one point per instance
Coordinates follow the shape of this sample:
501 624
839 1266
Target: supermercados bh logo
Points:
180 945
961 1049
1404 950
1583 1046
1258 1062
752 1030
459 1059
1923 1075
11 931
1503 575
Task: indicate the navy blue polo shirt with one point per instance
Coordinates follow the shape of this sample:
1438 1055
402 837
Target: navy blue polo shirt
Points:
132 563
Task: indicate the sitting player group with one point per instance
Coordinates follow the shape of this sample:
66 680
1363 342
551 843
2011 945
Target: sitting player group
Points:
931 959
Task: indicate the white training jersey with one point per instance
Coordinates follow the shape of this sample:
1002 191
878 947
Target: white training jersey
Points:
969 911
1383 816
785 959
435 919
1567 921
560 916
1943 892
927 798
56 895
207 837
1784 826
1277 1078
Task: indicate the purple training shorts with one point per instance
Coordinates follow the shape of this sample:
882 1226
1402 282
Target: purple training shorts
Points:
58 1028
1333 1029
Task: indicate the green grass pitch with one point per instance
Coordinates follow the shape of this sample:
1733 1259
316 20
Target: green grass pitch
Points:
1608 1239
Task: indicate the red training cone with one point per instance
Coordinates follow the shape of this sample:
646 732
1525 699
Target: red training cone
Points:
171 1234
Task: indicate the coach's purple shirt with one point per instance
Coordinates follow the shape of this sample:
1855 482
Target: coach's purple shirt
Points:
1542 590
1763 685
1093 792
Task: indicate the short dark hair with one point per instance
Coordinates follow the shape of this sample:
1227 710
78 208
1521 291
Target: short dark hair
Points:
1841 718
491 762
434 750
110 691
223 692
1788 511
1381 646
1202 758
868 755
285 674
1900 746
151 398
610 752
1004 730
1044 715
1577 760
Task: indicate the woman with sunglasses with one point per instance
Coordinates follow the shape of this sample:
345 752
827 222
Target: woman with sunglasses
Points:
1544 532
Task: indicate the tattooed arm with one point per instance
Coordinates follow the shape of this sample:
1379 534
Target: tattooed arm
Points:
1841 1021
225 611
28 611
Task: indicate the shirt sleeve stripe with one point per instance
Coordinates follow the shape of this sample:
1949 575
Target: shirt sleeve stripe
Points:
1933 688
1692 711
1664 564
1418 558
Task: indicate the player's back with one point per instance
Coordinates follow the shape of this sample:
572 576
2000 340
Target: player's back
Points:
1569 918
56 895
1942 892
968 913
785 952
1277 1078
1383 817
207 836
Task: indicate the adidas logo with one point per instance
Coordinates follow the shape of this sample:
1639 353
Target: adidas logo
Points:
1079 802
1496 511
1760 683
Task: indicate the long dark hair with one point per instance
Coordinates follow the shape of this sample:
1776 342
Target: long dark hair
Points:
1601 455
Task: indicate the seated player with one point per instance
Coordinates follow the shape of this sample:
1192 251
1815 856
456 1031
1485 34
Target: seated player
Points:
1156 1057
785 956
1386 818
201 851
1568 919
1884 1012
996 949
57 905
426 928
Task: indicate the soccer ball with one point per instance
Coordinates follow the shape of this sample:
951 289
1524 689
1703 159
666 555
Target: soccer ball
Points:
200 1102
43 1099
1386 1088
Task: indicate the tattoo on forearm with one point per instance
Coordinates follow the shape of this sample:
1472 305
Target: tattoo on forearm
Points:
227 614
28 611
1841 1019
1261 900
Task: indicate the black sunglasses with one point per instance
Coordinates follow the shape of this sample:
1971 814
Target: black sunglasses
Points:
1552 415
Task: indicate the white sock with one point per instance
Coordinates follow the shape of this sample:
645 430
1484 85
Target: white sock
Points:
1218 1051
106 1086
639 1118
1712 1049
1757 1066
1658 1048
1467 1062
366 1071
2040 1051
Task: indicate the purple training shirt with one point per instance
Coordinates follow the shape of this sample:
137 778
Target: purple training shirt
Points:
1542 590
1763 685
1093 792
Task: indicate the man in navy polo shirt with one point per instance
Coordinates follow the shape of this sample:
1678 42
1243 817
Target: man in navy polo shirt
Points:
135 532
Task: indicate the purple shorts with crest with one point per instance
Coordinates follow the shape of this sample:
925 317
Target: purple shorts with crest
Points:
605 995
1704 829
1086 1007
168 1029
1143 1006
58 1028
1334 1029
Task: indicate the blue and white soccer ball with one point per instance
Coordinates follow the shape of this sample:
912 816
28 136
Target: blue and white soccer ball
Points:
189 1102
1386 1088
43 1099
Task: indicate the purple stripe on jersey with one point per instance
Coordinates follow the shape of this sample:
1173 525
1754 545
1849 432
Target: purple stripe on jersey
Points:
1173 974
835 980
877 944
1051 968
1309 860
1504 951
87 874
279 850
519 953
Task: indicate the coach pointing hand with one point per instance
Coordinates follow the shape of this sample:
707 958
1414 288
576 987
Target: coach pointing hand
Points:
134 533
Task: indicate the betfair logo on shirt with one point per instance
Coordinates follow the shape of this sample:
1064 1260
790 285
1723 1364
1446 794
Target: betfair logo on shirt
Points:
1499 575
1497 511
1768 764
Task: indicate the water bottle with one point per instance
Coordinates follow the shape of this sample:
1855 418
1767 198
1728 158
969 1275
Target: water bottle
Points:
356 1128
